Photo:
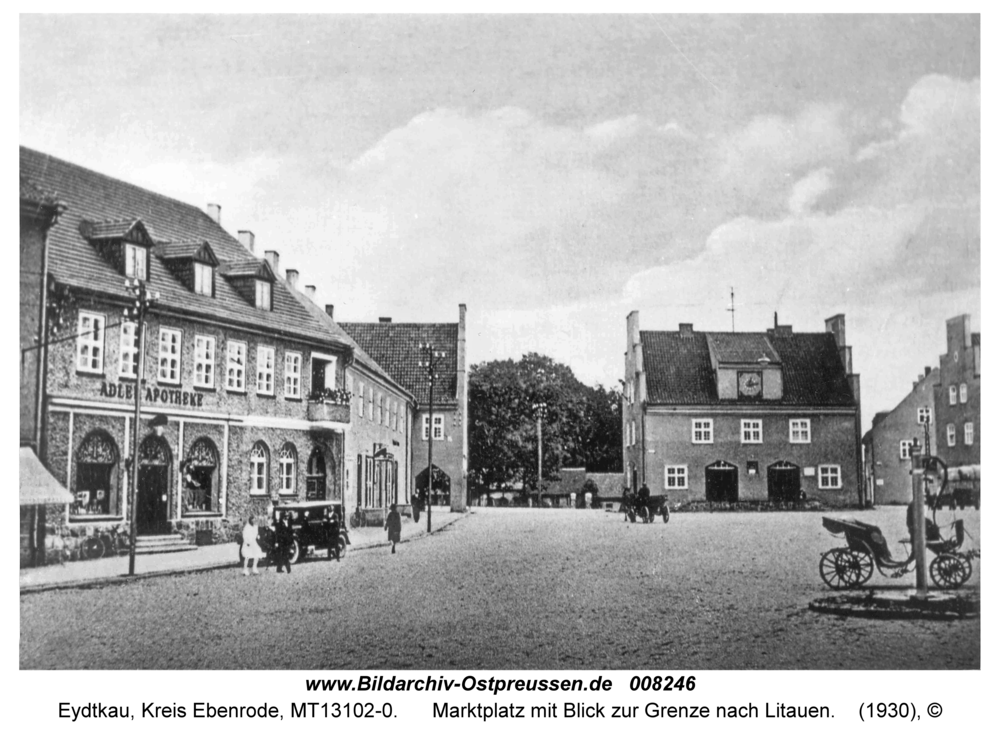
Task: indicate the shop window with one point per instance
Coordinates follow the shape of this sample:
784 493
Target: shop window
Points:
97 477
287 461
260 459
199 476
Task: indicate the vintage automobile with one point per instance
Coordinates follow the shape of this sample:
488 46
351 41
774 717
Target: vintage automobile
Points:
308 529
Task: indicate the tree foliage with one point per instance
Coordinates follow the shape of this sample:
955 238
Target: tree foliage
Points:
581 425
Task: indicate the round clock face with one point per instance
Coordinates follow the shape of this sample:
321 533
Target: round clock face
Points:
750 384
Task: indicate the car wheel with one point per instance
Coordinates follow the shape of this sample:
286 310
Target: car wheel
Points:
294 553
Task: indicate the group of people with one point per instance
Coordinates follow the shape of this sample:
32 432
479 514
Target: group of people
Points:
281 543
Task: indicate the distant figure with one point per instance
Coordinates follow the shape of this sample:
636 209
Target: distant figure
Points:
417 503
643 496
331 527
283 542
394 525
250 548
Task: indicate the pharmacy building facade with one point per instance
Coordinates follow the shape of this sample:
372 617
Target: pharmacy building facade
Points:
245 398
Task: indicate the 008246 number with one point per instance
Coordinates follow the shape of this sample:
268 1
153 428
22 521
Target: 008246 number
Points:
662 683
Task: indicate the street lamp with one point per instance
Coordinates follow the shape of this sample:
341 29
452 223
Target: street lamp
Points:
430 361
539 409
137 313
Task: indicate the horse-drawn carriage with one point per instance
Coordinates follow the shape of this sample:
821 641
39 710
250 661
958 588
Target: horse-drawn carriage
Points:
647 509
867 549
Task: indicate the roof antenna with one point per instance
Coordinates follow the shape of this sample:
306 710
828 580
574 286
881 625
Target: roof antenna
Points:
732 306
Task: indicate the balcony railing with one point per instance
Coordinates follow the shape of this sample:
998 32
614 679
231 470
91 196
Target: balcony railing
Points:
330 405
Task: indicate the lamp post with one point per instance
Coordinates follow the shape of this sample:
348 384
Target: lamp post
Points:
539 410
430 361
137 312
919 532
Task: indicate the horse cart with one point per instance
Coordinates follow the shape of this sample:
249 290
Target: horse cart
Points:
851 566
647 510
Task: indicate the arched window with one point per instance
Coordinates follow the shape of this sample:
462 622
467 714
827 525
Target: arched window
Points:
260 461
287 462
97 482
199 472
316 475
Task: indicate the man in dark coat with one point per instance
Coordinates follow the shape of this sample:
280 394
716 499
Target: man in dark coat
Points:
394 525
283 542
331 526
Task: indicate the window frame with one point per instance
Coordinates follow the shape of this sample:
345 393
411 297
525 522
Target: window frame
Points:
204 361
969 433
260 469
294 376
924 416
805 433
131 351
963 393
178 343
242 388
707 433
263 294
131 250
952 395
361 399
827 472
263 351
203 269
673 472
750 425
94 346
287 458
951 434
905 449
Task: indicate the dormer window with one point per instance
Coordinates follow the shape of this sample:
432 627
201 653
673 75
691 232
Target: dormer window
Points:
263 300
203 278
135 262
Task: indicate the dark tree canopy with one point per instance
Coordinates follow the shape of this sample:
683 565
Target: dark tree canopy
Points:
581 425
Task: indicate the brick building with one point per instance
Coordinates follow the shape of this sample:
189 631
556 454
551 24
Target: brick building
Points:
956 396
888 443
252 383
728 417
379 467
397 348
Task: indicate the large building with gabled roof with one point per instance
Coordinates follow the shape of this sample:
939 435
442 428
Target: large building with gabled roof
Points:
732 417
439 420
252 383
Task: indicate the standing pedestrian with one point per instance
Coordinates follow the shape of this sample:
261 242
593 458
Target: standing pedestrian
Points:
331 528
394 525
250 548
283 542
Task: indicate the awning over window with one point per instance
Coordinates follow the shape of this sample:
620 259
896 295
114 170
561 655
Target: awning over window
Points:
37 485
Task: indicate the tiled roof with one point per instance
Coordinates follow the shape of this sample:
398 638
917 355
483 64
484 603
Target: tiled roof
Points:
396 348
194 251
341 337
117 229
250 268
98 198
679 369
741 347
31 192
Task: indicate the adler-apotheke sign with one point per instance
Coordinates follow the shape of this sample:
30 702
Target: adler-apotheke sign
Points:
153 395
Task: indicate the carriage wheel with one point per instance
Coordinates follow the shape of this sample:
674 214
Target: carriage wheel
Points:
840 569
863 565
950 571
631 515
666 514
645 515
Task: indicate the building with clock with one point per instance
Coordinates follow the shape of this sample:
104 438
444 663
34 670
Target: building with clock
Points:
730 417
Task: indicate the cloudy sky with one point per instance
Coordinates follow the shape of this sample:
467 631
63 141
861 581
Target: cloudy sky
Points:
557 172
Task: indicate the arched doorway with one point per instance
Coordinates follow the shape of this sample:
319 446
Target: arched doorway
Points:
200 471
316 475
154 487
441 489
722 482
784 484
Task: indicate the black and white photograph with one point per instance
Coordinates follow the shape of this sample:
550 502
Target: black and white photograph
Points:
472 343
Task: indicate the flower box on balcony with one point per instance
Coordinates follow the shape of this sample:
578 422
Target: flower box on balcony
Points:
326 411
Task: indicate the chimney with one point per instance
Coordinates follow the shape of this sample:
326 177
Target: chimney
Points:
329 311
385 319
837 325
272 260
292 277
311 291
215 212
927 370
246 238
686 329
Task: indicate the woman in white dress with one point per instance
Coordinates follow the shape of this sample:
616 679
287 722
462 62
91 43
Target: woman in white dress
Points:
250 547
